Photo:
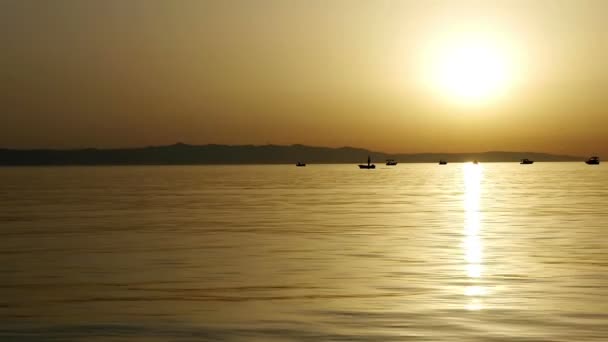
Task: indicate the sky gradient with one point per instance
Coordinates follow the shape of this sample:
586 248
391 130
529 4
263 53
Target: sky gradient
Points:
113 73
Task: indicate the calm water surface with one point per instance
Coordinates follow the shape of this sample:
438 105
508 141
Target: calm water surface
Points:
418 252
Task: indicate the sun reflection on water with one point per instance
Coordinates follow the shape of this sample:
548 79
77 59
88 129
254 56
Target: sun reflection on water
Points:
472 242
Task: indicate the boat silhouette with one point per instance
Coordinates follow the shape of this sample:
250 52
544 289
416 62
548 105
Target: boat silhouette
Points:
593 161
526 161
475 162
300 164
443 162
391 162
369 164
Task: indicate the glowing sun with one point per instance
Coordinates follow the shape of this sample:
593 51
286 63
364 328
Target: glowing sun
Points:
470 71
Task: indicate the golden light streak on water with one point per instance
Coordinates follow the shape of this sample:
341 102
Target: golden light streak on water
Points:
472 242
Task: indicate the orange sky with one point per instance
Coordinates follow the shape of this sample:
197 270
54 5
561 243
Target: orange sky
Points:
113 73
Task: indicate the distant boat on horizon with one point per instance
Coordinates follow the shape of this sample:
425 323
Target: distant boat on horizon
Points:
391 162
593 161
300 164
526 161
443 162
475 162
369 164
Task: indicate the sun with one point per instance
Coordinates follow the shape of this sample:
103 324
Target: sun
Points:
470 70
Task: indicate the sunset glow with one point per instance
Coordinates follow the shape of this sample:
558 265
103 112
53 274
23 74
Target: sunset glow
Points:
469 69
304 170
394 76
472 72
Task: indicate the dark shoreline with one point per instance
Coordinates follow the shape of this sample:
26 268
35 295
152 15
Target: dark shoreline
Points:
183 154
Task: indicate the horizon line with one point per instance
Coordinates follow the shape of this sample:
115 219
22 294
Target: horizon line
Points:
178 144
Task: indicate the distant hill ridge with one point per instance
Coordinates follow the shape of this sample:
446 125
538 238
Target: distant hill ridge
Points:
184 154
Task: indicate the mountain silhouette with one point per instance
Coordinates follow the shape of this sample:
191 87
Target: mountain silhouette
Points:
184 154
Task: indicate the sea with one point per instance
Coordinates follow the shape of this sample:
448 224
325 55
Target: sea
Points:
413 252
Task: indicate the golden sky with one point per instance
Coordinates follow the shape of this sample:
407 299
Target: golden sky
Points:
395 76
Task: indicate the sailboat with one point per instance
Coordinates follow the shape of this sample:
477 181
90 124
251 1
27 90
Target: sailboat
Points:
369 164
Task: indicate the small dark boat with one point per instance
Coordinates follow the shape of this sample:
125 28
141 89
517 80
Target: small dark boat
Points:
369 164
593 161
300 164
526 161
391 162
443 162
475 162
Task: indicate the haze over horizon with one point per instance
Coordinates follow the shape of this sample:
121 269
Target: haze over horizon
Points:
390 76
287 146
